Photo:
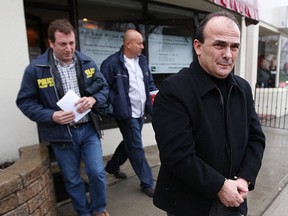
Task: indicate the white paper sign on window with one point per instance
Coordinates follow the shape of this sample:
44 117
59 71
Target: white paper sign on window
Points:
99 44
168 54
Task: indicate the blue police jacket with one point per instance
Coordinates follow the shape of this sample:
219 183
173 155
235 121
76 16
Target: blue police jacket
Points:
41 88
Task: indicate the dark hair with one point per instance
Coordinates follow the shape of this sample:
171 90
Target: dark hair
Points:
199 33
62 25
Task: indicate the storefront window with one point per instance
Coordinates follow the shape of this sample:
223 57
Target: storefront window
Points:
283 72
37 17
168 31
267 61
102 23
170 39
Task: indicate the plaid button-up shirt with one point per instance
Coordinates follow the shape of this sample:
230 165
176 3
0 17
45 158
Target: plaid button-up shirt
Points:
69 79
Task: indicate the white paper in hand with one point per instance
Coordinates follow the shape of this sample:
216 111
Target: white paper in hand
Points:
67 103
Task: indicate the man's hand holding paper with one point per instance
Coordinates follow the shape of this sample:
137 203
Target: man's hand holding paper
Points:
85 103
71 102
62 117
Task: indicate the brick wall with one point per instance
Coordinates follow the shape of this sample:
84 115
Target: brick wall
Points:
26 187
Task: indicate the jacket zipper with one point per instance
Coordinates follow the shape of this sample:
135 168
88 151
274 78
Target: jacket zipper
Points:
222 105
54 87
227 127
228 134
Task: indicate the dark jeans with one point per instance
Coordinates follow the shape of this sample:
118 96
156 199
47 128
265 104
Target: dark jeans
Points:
218 209
119 158
132 142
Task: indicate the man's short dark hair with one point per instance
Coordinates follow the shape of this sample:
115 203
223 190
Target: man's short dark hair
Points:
61 25
199 33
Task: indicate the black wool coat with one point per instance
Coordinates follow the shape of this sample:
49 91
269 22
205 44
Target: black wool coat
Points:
188 120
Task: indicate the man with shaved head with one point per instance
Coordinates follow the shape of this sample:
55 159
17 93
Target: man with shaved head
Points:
209 137
131 82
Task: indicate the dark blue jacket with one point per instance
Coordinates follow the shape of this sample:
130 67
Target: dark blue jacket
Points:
116 74
41 88
189 121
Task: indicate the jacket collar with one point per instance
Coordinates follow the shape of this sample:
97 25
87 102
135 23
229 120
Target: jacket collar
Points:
44 58
142 58
206 83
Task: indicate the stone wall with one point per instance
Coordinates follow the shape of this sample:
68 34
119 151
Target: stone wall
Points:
26 187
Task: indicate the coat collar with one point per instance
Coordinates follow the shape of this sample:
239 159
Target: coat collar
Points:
202 76
142 58
44 59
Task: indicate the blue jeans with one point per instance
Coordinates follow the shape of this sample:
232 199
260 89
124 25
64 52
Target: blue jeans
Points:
132 137
86 146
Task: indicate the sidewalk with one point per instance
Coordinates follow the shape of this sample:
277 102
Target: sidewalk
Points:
269 198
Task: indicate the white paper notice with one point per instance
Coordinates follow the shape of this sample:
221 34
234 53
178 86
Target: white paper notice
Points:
67 103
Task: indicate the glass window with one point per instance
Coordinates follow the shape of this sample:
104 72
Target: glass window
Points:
283 70
37 17
167 31
170 38
102 23
267 61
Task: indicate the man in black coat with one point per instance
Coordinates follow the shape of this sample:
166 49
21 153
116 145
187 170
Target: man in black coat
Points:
209 137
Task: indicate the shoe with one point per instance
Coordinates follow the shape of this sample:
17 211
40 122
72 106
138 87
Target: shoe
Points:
104 213
148 191
118 175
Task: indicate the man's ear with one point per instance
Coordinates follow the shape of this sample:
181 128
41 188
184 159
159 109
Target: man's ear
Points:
197 46
51 44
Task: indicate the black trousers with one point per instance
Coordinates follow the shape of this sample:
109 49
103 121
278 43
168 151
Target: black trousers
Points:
218 209
119 157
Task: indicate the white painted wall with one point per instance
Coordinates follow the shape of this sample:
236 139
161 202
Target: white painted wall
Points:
274 12
241 60
16 129
252 35
269 100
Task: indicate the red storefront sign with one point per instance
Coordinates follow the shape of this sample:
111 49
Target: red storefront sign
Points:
247 8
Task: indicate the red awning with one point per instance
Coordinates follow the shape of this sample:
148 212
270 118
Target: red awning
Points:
247 8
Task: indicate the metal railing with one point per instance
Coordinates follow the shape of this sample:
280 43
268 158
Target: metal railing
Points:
271 105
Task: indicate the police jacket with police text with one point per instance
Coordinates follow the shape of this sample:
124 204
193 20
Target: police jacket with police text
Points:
41 88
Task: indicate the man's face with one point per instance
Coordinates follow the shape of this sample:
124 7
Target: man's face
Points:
264 64
218 53
64 46
136 45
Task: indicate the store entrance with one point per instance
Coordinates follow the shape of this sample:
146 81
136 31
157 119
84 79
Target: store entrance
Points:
38 15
